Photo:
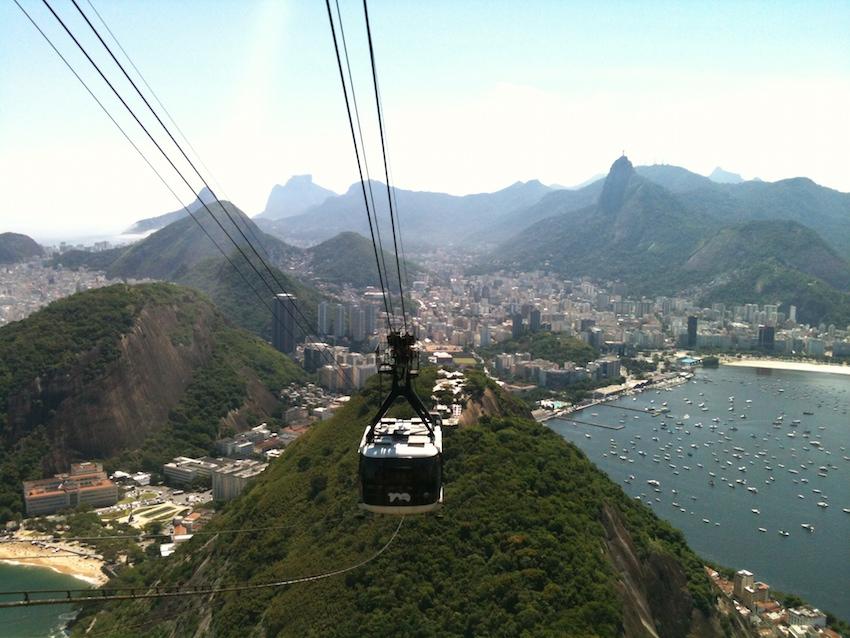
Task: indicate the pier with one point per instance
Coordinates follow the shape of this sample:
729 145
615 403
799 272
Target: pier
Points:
596 425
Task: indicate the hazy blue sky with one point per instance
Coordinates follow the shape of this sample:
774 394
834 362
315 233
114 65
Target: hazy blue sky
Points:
477 95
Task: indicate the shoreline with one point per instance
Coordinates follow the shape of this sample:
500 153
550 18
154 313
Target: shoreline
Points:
791 366
70 560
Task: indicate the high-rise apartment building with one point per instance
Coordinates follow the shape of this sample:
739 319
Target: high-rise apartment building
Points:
358 324
284 326
692 332
324 319
339 321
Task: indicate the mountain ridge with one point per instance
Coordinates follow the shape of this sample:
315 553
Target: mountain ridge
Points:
298 195
15 248
649 237
573 555
149 371
150 224
182 252
421 214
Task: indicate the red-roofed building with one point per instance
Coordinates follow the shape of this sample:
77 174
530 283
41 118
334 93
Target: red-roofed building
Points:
87 484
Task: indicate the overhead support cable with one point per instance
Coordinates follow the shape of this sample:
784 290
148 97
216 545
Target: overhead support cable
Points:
304 322
168 114
168 159
30 599
384 155
173 140
357 157
138 150
363 147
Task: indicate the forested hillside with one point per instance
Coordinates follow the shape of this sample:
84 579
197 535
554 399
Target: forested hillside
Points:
654 228
349 259
532 540
15 248
151 368
182 252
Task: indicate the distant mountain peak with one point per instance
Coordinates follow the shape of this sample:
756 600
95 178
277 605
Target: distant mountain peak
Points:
296 196
206 196
614 190
725 177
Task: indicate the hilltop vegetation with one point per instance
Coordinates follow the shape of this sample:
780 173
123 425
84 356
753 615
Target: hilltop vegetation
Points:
15 248
153 368
348 258
546 345
182 253
530 542
664 230
216 278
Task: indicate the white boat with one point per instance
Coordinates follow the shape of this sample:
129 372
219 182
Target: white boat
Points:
762 529
755 511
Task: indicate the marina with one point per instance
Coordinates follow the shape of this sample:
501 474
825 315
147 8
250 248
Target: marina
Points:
752 465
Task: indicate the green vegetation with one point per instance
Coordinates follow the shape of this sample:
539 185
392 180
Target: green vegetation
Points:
78 338
771 282
710 362
183 254
639 366
519 548
573 394
216 389
663 247
546 345
348 258
642 224
227 289
15 248
83 522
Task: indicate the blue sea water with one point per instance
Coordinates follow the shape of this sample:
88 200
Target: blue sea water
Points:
34 622
785 471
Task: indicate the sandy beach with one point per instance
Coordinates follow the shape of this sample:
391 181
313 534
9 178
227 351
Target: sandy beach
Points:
63 561
776 364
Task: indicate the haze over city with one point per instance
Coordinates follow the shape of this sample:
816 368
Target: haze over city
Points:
478 96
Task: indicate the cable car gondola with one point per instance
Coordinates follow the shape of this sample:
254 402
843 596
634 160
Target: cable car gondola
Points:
401 460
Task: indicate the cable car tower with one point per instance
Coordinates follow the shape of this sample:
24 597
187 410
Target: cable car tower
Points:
401 460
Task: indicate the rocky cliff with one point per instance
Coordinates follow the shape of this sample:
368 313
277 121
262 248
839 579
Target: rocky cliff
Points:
110 371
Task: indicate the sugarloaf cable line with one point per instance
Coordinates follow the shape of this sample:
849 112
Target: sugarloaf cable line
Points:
152 92
136 148
159 175
150 165
357 156
179 148
384 155
168 114
176 591
394 191
274 277
363 147
415 488
183 178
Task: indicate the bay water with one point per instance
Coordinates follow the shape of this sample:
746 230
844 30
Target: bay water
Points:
34 622
742 459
